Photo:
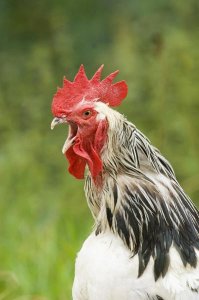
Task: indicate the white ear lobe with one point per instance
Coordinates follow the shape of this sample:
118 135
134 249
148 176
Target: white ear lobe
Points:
100 117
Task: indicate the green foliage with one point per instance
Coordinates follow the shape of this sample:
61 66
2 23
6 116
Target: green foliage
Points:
44 216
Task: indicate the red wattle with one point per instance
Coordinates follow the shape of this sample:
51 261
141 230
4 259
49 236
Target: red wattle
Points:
87 153
76 164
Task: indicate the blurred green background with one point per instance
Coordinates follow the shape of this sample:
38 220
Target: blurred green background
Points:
43 212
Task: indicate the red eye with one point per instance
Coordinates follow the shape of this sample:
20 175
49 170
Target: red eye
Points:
87 113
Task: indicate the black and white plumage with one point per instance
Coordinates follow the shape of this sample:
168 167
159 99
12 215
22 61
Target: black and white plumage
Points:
145 244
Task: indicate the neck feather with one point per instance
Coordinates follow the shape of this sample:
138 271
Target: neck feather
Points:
140 199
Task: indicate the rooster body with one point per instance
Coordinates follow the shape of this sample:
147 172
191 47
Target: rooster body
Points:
106 270
146 236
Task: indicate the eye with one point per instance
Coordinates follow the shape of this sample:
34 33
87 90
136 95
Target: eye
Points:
87 113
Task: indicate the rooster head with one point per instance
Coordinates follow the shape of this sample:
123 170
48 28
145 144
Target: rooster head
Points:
76 104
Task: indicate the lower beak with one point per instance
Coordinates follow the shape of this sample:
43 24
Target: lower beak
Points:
71 134
57 121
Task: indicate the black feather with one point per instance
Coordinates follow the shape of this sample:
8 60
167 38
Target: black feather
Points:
109 216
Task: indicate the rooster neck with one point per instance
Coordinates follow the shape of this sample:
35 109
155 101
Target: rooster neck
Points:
141 201
148 217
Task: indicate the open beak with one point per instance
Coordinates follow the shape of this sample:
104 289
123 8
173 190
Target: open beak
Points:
70 141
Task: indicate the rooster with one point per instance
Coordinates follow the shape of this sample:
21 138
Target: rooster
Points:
145 241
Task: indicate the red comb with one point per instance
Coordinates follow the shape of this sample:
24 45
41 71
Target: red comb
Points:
92 90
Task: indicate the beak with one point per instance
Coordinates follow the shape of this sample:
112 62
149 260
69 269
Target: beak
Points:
56 121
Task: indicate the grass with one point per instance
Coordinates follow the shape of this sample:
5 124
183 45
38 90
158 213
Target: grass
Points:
38 248
44 219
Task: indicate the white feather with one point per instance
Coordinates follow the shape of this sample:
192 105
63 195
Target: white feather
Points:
106 270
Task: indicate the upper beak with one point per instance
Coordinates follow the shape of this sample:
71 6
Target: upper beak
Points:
56 121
